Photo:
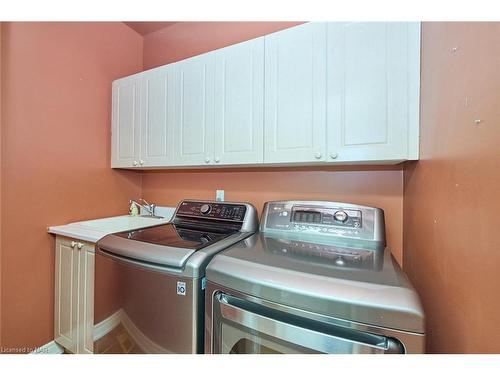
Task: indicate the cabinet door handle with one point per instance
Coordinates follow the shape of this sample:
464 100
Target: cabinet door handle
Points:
217 160
141 162
207 160
79 245
318 155
334 155
134 163
73 244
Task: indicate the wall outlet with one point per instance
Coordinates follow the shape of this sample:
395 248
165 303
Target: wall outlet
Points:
219 195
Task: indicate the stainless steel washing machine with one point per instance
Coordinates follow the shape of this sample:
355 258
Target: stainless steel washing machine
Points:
150 283
316 279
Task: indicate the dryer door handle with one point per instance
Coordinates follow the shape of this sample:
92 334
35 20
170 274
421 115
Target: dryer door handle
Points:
310 334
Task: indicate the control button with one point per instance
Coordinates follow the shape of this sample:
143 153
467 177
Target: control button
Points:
340 216
356 224
205 209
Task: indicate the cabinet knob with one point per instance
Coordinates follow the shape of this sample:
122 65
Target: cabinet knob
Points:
318 155
217 160
134 163
79 245
73 244
334 156
207 160
141 162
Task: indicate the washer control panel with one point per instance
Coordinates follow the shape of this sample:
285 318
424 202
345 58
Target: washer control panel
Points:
212 210
325 219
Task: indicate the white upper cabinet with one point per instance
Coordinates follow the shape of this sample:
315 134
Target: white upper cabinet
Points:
125 122
295 95
312 94
239 103
373 91
157 117
194 107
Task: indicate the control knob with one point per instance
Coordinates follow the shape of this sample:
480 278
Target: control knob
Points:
205 209
340 216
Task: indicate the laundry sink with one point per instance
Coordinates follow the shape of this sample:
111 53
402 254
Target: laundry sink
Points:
121 223
93 230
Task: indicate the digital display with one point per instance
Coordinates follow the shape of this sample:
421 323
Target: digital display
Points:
306 216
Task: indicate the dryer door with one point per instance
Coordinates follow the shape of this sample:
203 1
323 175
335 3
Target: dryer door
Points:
245 327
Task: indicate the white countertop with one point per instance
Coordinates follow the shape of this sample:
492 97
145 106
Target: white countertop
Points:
94 230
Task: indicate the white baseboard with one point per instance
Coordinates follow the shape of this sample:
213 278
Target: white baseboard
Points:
107 325
49 348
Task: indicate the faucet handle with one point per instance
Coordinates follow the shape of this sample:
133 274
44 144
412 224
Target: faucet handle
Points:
145 201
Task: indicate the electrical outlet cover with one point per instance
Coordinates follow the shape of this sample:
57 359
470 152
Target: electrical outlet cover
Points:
219 195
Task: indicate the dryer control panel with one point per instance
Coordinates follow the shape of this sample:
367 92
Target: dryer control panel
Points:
324 219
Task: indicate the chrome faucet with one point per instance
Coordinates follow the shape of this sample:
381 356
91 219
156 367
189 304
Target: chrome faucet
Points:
149 207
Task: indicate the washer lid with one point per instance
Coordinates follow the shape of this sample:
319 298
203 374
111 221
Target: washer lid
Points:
166 245
176 236
361 283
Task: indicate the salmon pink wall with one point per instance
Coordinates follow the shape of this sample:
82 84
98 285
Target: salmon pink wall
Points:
56 86
452 195
381 187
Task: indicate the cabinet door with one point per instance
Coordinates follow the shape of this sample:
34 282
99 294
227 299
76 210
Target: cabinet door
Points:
86 300
194 106
239 103
125 122
295 103
66 295
373 84
157 111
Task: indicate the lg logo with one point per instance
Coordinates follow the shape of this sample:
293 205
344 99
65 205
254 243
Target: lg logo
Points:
181 288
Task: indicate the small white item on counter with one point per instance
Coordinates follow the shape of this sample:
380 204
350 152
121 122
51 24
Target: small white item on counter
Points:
133 210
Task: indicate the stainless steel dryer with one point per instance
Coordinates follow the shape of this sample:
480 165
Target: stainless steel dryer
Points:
316 279
150 283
